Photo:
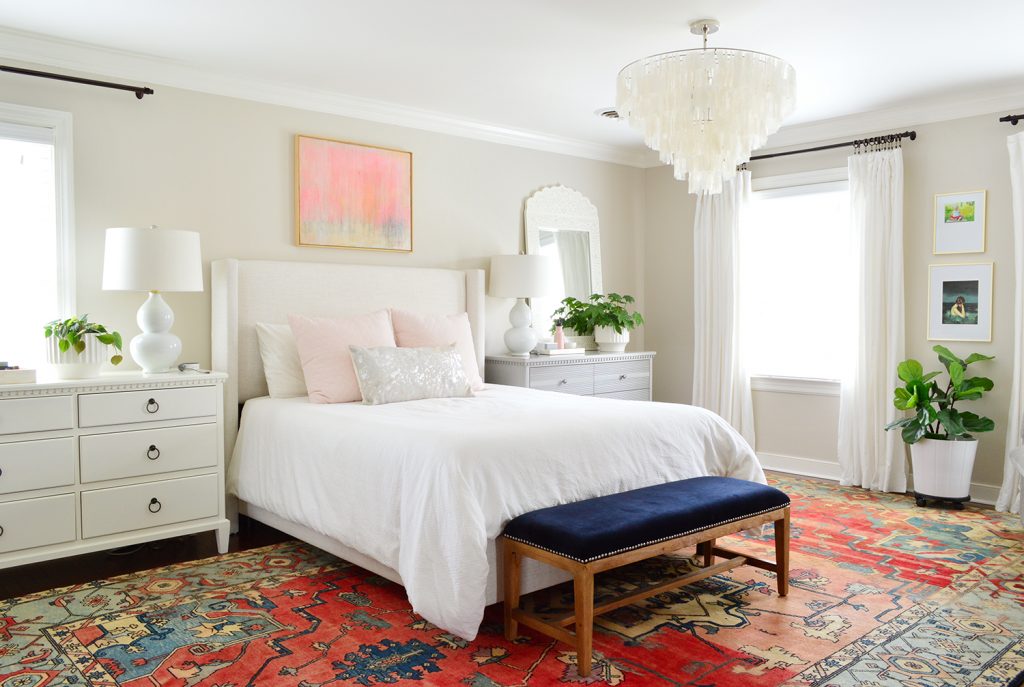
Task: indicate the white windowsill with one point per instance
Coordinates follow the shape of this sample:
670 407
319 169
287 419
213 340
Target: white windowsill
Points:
795 385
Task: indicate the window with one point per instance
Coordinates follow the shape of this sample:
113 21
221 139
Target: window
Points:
796 278
36 269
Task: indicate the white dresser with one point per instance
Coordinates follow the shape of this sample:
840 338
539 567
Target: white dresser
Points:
608 375
94 464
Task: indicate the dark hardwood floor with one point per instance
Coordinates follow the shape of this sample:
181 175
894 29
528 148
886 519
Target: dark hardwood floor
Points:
27 579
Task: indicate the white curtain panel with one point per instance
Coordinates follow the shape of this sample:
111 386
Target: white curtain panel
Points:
720 382
1010 497
869 456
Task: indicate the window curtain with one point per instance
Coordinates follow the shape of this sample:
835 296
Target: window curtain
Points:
869 456
1013 482
720 382
574 255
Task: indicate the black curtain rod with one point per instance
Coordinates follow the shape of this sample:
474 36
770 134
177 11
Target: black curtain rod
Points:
139 91
1012 119
875 140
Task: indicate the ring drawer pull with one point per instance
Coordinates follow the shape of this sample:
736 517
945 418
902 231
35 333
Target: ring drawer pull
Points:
562 382
1 530
152 406
154 502
1 472
153 453
621 377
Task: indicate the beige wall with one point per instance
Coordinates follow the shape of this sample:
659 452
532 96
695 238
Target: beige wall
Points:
961 155
223 166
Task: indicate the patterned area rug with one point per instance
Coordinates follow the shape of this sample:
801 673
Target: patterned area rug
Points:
882 593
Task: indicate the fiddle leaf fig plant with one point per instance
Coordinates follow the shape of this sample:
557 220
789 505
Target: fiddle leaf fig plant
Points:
935 415
72 334
600 310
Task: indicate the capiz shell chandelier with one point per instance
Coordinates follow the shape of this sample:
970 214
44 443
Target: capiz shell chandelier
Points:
704 110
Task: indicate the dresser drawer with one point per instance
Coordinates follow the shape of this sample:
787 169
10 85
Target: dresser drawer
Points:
634 395
19 415
136 507
569 379
147 452
123 407
26 465
37 522
627 375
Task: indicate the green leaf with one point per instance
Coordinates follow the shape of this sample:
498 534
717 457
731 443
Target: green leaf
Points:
116 360
900 423
930 376
945 355
984 383
975 423
107 339
63 345
951 422
79 346
956 373
977 358
903 399
48 332
913 432
909 370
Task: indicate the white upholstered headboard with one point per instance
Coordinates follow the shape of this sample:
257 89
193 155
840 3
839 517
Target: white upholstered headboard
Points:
249 291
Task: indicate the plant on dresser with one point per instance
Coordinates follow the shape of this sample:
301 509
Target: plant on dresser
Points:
77 347
603 315
99 463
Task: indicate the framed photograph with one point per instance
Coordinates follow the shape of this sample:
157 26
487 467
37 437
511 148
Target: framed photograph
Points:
959 225
352 196
960 302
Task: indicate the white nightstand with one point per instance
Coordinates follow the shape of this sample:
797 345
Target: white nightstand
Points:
98 463
608 375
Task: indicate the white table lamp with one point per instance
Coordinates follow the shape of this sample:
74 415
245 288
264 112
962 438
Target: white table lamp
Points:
522 277
153 260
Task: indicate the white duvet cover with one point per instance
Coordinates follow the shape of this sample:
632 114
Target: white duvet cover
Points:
422 486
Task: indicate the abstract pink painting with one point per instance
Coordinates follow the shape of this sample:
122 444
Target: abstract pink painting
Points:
352 196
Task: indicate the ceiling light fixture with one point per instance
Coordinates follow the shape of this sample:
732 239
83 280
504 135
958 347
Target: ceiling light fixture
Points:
704 110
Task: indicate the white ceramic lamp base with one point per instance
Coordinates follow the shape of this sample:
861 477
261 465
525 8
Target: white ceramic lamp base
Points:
155 349
521 338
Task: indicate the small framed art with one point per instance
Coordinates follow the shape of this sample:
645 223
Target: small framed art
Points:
960 302
349 195
959 223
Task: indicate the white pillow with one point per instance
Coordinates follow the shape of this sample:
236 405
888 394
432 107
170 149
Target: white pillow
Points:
391 375
281 363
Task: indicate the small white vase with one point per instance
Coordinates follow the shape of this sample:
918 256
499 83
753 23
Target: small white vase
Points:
609 340
942 469
587 343
72 365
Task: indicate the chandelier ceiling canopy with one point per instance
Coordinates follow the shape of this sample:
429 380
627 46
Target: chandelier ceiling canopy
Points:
704 110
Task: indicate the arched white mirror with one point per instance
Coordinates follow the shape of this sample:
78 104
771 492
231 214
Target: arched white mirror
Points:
562 222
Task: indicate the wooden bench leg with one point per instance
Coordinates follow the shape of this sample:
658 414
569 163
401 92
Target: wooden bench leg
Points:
782 553
583 594
709 552
510 586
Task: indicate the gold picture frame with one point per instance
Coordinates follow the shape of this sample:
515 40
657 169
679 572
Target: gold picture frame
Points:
352 195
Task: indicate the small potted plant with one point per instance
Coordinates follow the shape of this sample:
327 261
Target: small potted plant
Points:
576 322
78 348
941 436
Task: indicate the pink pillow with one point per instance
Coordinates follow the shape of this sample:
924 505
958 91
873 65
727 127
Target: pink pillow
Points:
323 344
439 331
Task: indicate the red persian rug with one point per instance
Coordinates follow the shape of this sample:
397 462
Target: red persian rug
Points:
882 593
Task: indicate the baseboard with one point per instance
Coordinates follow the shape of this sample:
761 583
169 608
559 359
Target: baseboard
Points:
798 465
826 469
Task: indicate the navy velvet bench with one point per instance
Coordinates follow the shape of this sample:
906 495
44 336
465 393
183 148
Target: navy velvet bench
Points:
595 535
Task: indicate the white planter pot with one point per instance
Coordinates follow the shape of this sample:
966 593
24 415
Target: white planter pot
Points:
72 365
942 469
609 340
587 343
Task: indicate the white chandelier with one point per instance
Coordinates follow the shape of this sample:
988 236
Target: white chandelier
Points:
704 110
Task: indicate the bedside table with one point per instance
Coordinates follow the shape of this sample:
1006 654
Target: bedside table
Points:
119 459
607 375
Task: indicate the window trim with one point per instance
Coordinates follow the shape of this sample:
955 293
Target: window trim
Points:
800 180
809 386
60 123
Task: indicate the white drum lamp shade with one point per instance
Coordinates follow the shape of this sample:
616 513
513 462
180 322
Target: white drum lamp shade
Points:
522 277
153 260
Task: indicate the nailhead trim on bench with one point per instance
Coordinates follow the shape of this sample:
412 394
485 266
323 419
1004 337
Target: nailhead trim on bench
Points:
648 543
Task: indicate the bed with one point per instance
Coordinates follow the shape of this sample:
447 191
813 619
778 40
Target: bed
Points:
417 492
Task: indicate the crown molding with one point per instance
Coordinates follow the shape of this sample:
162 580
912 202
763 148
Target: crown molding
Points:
38 49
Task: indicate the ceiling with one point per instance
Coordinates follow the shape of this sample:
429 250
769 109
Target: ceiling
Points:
545 66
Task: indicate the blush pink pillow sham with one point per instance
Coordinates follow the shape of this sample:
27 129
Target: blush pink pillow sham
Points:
439 331
323 344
